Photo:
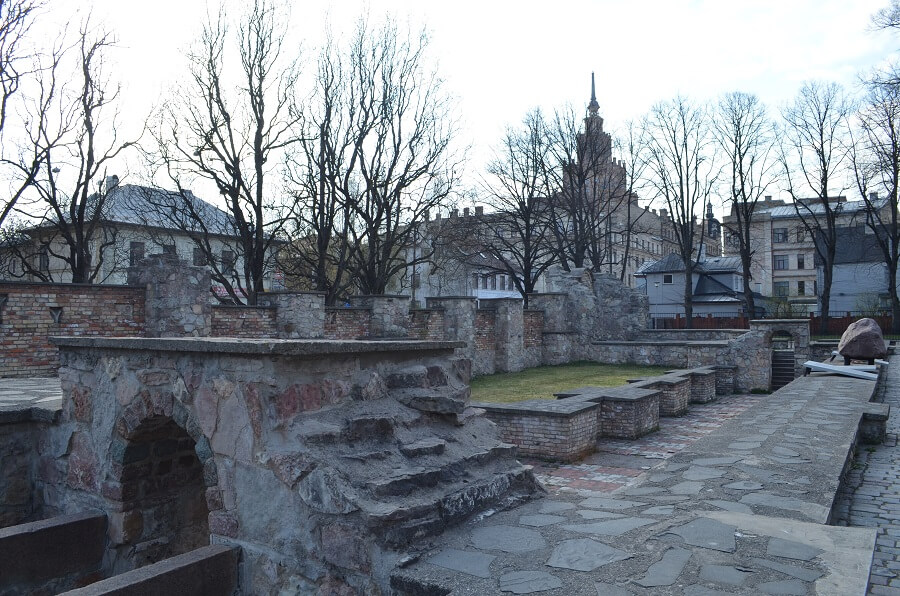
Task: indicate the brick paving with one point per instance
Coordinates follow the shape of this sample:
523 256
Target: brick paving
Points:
871 497
620 463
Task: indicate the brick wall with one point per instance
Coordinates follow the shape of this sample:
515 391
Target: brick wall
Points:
347 323
27 320
629 419
426 323
244 321
534 328
557 438
485 323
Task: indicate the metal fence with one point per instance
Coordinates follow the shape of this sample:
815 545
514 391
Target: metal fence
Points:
836 324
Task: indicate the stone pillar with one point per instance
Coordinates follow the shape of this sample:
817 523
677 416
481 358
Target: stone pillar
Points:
298 315
390 314
554 306
509 330
459 320
799 332
177 297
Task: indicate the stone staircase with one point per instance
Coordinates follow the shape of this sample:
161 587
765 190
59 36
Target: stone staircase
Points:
782 368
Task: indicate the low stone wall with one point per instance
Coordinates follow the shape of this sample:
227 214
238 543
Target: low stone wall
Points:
674 393
691 334
558 430
30 313
23 475
244 321
485 340
533 337
680 354
52 555
629 413
426 324
207 571
347 323
301 452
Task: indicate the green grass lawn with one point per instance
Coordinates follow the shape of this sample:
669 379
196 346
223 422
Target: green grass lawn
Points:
542 382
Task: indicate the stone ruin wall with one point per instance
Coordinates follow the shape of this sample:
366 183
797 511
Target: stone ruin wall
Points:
586 317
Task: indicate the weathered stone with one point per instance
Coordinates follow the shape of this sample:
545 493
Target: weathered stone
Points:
526 582
613 527
437 401
584 554
291 468
508 539
707 533
325 493
862 341
790 549
469 562
223 523
724 574
343 546
666 571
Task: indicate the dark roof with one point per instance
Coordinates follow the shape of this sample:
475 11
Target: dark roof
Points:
854 245
146 206
672 263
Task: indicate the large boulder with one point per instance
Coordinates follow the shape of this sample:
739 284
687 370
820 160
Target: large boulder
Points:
862 341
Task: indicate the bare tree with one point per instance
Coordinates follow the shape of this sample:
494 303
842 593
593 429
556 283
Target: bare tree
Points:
745 136
682 172
814 157
72 133
16 18
231 133
632 164
876 168
888 17
376 159
517 232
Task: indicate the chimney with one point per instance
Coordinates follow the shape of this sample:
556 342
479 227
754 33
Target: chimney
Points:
654 211
454 213
437 216
767 199
479 210
428 215
873 196
664 213
465 212
111 182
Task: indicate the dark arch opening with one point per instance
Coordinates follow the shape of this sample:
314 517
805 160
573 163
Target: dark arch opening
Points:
163 493
783 367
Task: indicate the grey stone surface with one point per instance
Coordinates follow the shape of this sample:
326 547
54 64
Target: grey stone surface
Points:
659 510
787 586
729 506
707 533
686 488
701 473
540 520
510 539
471 562
667 570
697 590
555 506
605 589
801 573
584 554
613 527
724 574
790 549
610 503
594 514
767 499
743 485
527 582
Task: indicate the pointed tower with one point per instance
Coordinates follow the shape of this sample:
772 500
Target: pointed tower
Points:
593 107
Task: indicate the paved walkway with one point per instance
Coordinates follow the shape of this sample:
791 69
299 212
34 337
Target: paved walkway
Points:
620 463
742 509
873 496
16 393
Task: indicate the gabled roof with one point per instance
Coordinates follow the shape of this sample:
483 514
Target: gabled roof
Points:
146 206
672 263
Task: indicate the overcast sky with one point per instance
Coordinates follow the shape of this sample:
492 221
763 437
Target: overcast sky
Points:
500 59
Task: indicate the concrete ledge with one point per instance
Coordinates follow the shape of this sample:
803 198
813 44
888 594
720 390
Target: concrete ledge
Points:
36 553
15 415
283 347
873 424
207 571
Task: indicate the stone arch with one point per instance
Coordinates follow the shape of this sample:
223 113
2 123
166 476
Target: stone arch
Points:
161 483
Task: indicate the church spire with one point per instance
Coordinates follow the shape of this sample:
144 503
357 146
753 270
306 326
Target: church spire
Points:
593 107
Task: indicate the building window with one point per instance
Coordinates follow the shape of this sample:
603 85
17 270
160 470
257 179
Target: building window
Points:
667 278
484 282
228 261
779 235
801 288
780 262
44 260
135 253
168 249
801 234
493 282
781 288
801 261
199 257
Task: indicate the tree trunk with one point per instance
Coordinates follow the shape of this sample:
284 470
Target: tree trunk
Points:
688 294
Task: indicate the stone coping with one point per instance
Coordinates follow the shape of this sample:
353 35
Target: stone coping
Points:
541 407
59 284
429 309
548 294
27 413
246 306
281 347
710 342
290 293
335 308
380 296
451 298
593 393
